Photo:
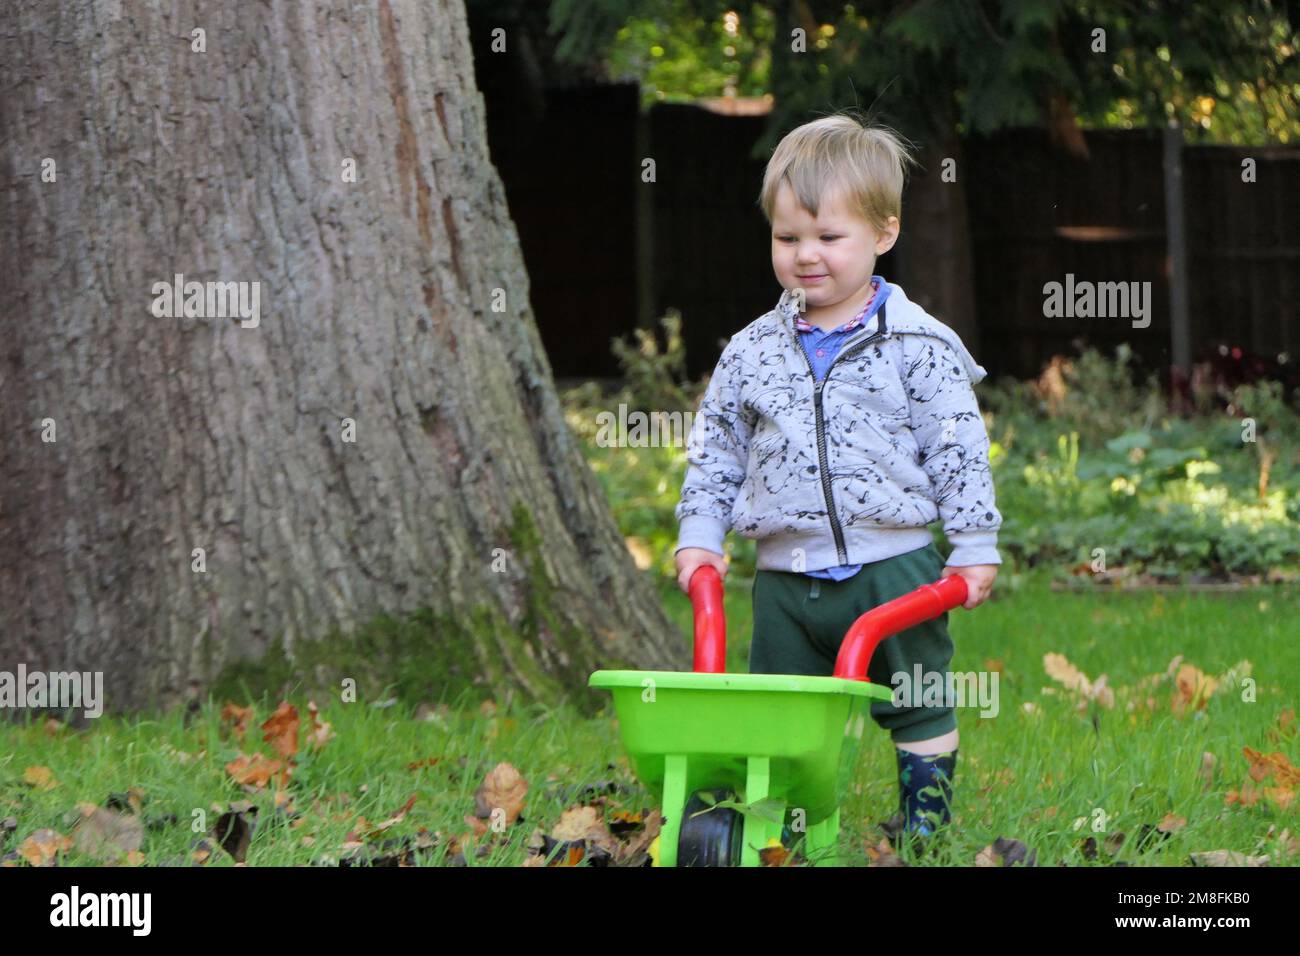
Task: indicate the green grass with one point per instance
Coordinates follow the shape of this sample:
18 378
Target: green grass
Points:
1019 775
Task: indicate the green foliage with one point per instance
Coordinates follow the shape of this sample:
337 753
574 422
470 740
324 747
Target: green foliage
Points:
643 481
1083 458
1229 72
655 377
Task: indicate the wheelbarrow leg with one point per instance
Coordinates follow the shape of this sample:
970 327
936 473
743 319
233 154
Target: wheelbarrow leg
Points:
674 804
823 841
758 782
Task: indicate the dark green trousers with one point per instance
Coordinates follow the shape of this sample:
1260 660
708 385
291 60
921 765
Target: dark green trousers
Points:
800 622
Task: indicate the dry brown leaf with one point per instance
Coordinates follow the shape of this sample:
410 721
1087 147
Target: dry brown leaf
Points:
637 848
106 835
1193 689
1275 764
1227 858
585 823
775 854
1005 851
42 778
320 731
1282 796
502 787
1060 669
236 718
986 857
396 818
1171 823
254 771
43 847
281 730
883 855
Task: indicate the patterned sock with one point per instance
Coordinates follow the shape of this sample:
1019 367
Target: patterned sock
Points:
925 789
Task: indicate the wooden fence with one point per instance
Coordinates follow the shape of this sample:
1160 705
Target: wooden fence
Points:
607 252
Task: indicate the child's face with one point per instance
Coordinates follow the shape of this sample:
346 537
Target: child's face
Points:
831 256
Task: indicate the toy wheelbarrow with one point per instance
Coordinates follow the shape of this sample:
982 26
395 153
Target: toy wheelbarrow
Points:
746 761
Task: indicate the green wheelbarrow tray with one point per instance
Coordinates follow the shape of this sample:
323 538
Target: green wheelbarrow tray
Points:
777 750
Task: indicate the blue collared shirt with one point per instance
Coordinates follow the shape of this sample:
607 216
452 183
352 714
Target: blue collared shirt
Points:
822 347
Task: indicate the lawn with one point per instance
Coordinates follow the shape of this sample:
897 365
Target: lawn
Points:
1165 765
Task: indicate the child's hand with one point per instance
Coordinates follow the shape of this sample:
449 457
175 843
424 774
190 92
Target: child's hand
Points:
979 582
689 559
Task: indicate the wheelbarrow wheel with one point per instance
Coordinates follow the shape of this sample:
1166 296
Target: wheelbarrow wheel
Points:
713 838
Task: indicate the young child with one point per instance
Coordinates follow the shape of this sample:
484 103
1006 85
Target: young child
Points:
835 429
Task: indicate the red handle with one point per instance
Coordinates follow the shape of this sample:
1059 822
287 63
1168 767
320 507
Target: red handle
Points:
705 589
926 602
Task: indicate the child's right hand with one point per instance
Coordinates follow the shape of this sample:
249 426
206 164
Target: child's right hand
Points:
689 559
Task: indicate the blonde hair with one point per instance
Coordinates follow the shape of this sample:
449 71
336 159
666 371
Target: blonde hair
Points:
840 153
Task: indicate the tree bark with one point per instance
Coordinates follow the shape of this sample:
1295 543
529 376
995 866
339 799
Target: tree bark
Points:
936 239
398 301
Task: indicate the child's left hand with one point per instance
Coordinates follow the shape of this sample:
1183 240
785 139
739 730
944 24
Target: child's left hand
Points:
979 582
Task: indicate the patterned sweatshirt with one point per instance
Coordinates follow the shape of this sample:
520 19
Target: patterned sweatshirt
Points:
851 469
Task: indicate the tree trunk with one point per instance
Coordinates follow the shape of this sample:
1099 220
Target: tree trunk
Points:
936 240
398 301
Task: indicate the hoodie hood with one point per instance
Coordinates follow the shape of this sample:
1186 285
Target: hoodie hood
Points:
902 316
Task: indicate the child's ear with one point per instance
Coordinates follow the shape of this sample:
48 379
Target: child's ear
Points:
885 239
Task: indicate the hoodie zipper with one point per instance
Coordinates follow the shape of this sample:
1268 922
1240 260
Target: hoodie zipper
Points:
821 433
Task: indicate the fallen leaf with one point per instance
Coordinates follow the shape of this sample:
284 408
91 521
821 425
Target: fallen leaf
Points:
235 718
43 847
281 730
233 833
396 818
502 787
254 771
201 852
320 731
585 824
1227 858
1171 823
1006 852
636 851
1060 669
882 854
1263 766
775 854
1193 689
106 835
42 778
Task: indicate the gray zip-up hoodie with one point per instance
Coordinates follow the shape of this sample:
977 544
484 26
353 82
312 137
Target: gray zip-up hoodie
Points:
851 469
